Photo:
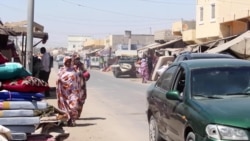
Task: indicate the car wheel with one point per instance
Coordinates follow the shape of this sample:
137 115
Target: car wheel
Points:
116 74
190 137
153 130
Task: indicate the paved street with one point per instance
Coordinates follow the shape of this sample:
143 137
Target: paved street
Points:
114 110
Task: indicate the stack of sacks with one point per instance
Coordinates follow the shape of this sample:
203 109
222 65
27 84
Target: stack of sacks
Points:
20 95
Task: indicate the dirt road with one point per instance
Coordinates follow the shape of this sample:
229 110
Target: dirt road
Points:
99 123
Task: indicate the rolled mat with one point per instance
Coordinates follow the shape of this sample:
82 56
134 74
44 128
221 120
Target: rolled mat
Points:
20 96
21 128
16 113
27 105
19 121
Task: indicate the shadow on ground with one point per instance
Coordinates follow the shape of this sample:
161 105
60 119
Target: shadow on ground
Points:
92 118
85 124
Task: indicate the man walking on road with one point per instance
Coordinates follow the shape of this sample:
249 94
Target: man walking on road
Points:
45 70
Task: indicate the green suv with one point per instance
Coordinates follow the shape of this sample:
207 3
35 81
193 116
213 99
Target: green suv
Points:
201 100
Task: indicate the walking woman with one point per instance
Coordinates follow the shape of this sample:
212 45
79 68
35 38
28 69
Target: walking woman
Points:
144 70
80 69
69 90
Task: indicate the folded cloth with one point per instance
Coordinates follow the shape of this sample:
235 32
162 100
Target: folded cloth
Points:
20 121
12 70
28 105
20 96
25 84
17 113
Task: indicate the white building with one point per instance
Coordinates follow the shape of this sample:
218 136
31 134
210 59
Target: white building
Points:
75 43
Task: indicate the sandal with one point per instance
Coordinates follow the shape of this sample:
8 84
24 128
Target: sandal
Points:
71 123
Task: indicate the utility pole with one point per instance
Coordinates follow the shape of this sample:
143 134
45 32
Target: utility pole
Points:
30 20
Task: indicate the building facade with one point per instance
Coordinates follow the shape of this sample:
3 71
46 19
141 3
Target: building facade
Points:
112 41
215 19
76 43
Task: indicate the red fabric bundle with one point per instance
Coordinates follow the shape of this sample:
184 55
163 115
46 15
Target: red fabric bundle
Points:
3 59
86 75
26 84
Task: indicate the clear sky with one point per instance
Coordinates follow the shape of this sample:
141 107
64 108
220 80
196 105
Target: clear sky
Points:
98 18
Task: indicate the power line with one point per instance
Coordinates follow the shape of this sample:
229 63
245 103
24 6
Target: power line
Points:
108 11
164 2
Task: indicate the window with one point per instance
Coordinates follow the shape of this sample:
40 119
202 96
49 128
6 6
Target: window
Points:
201 14
220 81
180 81
213 11
165 79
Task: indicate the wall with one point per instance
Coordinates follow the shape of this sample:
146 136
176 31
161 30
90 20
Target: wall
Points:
75 42
231 10
208 28
114 40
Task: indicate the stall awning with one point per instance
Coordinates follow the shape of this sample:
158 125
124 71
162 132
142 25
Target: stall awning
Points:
230 43
148 46
158 45
93 51
165 44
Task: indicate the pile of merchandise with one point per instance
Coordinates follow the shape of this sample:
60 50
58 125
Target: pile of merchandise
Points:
22 107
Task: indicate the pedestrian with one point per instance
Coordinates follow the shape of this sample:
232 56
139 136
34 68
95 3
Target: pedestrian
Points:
37 66
150 63
79 67
68 90
45 68
101 61
144 70
87 60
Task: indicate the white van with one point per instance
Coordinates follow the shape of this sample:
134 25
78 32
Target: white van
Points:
94 61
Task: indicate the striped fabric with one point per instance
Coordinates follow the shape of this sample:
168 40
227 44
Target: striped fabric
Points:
19 121
16 113
28 105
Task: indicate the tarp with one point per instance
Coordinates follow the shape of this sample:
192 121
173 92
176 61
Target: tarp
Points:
93 51
227 45
148 46
165 44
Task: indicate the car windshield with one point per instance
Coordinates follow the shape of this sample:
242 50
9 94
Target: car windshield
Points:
222 81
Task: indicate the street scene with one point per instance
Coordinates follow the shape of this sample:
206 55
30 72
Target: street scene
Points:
113 111
135 70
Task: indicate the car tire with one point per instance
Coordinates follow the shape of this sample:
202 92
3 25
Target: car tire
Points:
153 130
190 137
116 74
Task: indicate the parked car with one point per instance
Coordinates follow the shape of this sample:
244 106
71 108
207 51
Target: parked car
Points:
201 100
191 55
124 66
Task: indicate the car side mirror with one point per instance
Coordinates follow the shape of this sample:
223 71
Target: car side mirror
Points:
173 95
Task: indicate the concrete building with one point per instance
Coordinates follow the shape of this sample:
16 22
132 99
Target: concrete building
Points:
112 41
215 19
76 43
90 44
